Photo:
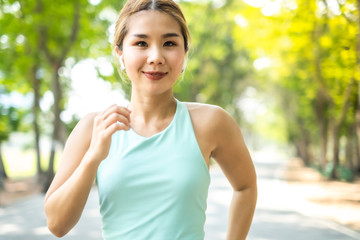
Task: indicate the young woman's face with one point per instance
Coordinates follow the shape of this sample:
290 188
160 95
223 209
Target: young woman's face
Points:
153 51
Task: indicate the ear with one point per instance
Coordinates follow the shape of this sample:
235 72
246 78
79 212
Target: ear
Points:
184 64
120 56
118 51
122 64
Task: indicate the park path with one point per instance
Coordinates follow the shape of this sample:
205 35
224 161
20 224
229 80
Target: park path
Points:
280 215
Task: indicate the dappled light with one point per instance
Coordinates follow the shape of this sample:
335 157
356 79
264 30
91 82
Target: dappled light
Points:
288 72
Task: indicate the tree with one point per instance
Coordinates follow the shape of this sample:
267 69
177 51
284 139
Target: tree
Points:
9 121
22 70
39 36
217 66
315 78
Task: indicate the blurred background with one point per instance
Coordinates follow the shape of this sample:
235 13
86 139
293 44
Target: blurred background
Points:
286 70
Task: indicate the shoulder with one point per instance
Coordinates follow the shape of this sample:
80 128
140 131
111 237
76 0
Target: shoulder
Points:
86 122
88 118
205 110
213 124
217 129
210 116
83 130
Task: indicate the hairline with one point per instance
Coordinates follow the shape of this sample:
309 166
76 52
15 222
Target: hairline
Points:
153 7
166 35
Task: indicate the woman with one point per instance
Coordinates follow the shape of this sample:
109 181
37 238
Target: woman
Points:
151 158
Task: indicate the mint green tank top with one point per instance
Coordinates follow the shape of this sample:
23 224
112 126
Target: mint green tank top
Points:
154 187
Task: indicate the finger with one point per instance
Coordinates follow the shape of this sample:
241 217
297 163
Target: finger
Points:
115 127
105 112
101 115
116 109
115 117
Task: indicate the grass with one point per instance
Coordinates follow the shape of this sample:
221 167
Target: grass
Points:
21 164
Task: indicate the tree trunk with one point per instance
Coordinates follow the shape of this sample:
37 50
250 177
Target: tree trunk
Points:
358 63
323 101
35 111
356 165
321 108
2 166
303 152
303 144
57 91
336 148
50 172
56 62
350 150
337 126
3 174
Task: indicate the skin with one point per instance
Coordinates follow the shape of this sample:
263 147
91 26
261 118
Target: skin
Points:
153 54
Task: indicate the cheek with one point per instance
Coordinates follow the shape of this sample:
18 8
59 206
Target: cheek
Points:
177 60
132 59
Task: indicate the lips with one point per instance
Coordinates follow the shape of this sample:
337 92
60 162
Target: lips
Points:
155 75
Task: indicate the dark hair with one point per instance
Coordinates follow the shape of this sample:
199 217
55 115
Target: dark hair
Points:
133 6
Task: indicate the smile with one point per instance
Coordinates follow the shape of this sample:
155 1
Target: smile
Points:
155 75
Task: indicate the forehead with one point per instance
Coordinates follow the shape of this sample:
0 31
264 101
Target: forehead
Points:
152 22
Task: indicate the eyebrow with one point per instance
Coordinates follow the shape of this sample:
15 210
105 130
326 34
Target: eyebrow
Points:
166 35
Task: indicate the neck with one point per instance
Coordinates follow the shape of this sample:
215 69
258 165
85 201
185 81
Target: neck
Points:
148 108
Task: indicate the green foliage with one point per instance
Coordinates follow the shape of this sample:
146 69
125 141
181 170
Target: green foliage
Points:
309 85
315 76
10 118
344 173
217 66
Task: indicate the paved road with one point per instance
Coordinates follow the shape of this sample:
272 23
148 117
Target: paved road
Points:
282 214
279 214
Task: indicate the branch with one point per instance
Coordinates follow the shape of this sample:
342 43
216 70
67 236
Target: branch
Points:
42 31
74 31
341 11
358 36
347 95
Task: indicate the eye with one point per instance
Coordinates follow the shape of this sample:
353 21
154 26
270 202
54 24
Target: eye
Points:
169 44
141 44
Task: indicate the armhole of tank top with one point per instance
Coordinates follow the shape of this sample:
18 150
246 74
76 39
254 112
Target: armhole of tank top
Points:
204 164
114 140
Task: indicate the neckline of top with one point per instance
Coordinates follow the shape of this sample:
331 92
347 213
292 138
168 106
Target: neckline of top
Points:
162 131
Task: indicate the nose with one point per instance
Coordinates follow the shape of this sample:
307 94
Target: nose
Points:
155 56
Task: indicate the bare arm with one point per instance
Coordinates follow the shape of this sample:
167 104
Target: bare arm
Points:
234 159
86 147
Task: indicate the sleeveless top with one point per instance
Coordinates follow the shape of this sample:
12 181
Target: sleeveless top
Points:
154 187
